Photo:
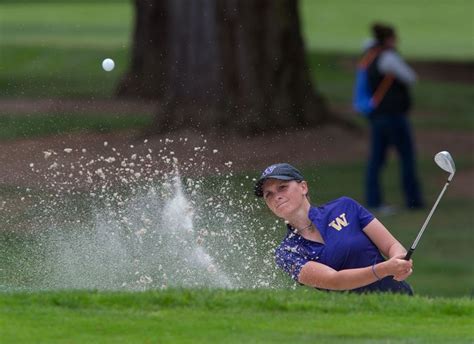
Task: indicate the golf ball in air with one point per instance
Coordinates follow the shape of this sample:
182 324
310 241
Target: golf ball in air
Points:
108 64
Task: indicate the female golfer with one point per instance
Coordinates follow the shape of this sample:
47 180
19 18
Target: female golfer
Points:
335 246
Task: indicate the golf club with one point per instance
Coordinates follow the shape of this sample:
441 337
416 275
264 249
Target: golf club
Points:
445 161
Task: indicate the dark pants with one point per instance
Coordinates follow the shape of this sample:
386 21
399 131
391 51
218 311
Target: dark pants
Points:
386 285
386 131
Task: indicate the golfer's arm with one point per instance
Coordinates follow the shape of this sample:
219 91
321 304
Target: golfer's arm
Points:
383 239
322 276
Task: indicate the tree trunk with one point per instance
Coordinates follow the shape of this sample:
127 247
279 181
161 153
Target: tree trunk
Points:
216 64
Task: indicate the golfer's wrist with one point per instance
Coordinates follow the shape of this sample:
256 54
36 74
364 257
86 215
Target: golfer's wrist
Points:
379 270
396 249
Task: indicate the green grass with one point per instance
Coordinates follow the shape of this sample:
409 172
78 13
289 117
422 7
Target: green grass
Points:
66 24
59 72
52 49
15 127
437 29
449 105
217 316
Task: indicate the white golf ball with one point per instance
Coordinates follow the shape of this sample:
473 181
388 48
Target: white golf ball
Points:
108 64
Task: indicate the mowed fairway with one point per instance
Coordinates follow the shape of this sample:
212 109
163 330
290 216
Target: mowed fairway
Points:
218 316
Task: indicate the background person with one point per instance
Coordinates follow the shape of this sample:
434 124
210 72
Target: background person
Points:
389 125
335 246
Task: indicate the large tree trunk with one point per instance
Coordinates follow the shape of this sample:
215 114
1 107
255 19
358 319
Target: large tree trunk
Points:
236 64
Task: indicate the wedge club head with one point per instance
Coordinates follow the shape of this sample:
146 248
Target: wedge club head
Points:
445 161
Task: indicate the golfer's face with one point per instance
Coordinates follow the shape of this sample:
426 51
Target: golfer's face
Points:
284 197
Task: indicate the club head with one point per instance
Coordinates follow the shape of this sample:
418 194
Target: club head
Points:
445 161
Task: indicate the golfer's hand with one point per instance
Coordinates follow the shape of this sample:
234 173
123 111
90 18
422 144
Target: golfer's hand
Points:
399 268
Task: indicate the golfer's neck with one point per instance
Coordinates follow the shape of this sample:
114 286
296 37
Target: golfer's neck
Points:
299 218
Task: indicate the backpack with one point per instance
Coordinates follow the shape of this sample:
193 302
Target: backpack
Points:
364 102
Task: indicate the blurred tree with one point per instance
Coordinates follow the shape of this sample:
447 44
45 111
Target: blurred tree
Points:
236 64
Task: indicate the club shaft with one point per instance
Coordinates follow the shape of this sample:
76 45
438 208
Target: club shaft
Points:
429 217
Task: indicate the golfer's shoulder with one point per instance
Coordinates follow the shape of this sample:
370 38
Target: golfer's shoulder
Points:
338 202
288 244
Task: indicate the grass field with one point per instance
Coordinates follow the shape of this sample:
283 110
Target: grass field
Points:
436 29
14 126
217 316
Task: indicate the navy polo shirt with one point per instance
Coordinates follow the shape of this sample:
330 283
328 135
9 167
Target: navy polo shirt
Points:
346 246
